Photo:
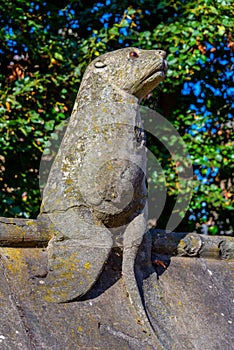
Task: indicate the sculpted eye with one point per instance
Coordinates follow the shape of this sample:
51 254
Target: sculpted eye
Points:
99 64
133 54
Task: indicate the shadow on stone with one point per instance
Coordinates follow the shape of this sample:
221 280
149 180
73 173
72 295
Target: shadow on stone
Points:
161 263
109 276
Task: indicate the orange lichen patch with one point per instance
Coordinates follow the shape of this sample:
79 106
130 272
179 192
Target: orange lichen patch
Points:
13 260
31 223
69 181
87 265
69 189
19 265
49 295
68 264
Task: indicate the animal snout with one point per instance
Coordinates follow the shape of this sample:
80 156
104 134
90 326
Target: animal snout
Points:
162 53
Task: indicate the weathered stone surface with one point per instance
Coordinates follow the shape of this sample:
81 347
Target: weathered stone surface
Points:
226 248
194 298
199 295
97 181
93 204
192 244
102 322
96 193
13 334
25 232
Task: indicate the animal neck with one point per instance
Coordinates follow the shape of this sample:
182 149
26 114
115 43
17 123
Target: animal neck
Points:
92 99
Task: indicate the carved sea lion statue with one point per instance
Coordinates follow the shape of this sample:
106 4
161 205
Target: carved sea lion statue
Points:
96 192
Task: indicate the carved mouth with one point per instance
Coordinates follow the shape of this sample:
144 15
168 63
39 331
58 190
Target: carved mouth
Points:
165 66
149 82
163 69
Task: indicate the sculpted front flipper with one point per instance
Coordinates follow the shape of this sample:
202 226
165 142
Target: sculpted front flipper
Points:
75 257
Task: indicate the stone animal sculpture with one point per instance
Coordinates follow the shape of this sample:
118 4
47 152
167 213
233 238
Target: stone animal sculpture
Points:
96 192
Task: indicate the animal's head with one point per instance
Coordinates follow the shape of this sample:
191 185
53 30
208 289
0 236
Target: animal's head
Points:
130 69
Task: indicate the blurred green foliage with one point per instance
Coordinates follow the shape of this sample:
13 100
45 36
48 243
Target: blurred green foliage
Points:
44 49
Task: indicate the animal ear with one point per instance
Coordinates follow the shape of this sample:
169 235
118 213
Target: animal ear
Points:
99 64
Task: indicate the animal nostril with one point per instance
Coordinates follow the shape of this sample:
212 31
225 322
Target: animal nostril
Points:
162 53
